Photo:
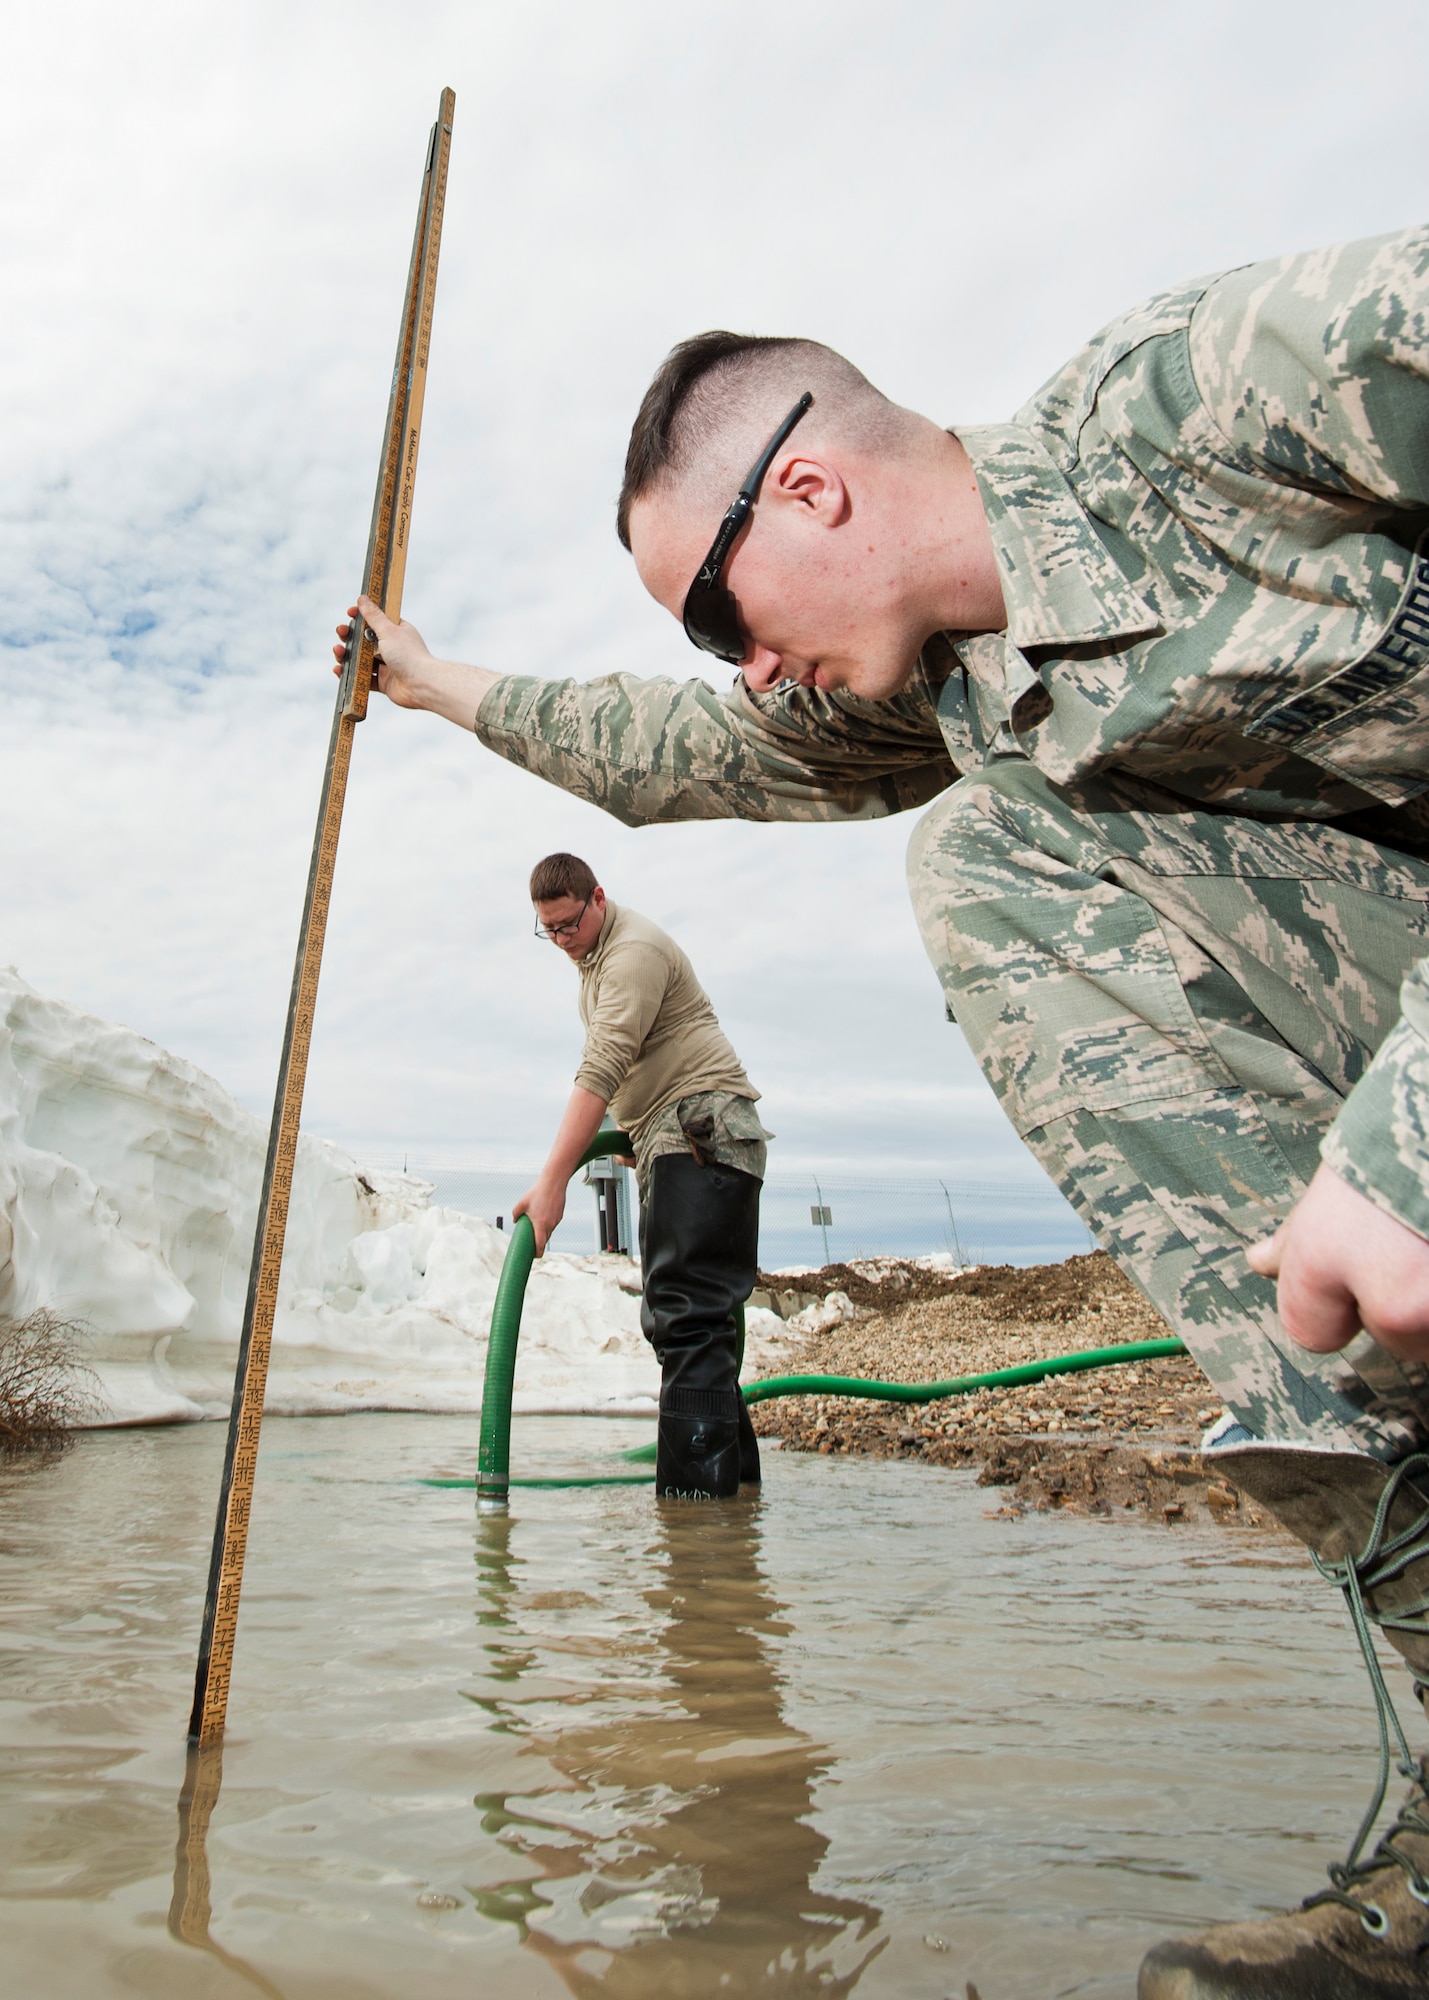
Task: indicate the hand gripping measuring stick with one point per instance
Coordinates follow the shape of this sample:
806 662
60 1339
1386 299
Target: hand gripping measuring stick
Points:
383 577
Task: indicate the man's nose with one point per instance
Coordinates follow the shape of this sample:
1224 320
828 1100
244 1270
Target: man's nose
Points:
764 671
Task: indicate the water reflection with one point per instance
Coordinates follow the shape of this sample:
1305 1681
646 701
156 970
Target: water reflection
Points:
191 1907
678 1858
971 1686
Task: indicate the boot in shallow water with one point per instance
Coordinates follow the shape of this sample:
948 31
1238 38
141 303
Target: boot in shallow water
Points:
1367 1936
1366 1941
748 1448
697 1453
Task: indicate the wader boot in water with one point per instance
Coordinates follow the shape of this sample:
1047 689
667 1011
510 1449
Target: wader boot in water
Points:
748 1442
699 1239
1366 1937
748 1447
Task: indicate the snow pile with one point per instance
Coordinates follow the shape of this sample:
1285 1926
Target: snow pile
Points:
875 1269
129 1187
835 1309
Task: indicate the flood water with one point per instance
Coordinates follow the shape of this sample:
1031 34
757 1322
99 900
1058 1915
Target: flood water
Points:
851 1735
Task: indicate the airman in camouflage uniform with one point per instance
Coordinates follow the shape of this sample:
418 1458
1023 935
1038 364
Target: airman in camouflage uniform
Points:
1175 868
1180 861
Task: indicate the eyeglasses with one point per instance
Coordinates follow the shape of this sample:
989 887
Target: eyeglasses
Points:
558 933
711 616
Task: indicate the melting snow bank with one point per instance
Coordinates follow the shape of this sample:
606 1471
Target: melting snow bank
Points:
129 1186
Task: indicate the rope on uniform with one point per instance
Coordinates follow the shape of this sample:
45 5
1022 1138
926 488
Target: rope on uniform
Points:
1379 1562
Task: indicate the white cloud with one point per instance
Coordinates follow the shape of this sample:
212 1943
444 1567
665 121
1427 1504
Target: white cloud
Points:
205 220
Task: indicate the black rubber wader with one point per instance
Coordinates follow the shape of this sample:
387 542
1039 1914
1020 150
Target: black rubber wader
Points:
699 1252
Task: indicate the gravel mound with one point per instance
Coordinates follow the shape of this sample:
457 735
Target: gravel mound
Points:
1107 1438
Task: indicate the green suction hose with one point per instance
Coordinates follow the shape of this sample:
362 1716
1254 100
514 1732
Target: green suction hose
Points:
960 1385
957 1385
493 1460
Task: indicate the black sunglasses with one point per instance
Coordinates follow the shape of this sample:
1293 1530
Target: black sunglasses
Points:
711 616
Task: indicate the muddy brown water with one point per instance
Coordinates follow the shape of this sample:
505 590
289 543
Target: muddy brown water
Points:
849 1736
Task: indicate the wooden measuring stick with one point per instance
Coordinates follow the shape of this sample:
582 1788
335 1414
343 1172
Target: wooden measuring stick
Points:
383 577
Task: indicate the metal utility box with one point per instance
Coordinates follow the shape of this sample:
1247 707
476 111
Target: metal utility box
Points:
613 1229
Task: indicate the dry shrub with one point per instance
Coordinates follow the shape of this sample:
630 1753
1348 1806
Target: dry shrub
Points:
45 1389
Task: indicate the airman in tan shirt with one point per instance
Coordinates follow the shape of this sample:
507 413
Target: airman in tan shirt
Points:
653 1045
658 1059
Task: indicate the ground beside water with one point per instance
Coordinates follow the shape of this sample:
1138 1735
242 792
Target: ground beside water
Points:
858 1732
1108 1439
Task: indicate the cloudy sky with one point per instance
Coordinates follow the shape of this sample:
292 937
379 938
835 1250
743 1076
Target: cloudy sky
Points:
205 216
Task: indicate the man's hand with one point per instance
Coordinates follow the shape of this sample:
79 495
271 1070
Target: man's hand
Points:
545 1203
1344 1264
401 653
412 677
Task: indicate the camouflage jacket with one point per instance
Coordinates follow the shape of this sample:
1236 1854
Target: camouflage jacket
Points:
1210 530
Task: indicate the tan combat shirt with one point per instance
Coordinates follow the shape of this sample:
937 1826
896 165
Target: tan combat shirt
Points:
651 1034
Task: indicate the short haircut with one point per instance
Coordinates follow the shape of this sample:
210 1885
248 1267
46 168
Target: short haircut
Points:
710 382
562 875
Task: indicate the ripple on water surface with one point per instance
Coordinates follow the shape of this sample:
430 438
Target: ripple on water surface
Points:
852 1734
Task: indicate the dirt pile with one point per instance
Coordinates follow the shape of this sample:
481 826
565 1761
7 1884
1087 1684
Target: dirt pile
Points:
881 1284
1117 1437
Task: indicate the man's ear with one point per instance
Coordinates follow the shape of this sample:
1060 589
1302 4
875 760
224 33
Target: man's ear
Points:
816 488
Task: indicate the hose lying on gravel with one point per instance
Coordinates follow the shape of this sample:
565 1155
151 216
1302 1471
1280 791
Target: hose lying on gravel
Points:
956 1385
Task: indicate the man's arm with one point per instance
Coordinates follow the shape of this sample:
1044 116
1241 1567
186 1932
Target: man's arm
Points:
1354 1252
545 1200
1316 370
651 751
1343 1263
632 992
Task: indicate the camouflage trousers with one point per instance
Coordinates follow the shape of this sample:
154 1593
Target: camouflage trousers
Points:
711 1124
1171 1005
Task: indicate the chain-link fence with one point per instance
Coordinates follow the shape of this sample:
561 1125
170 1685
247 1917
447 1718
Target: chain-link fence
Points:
819 1219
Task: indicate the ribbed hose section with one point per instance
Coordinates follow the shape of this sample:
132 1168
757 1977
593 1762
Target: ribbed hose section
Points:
930 1392
493 1459
960 1385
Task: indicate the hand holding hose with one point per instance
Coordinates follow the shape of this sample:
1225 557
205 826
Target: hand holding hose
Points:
544 1204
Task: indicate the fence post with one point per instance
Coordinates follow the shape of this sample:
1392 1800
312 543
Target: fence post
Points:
823 1226
957 1247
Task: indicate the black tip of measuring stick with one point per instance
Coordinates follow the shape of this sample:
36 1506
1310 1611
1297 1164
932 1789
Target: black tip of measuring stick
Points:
203 1673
